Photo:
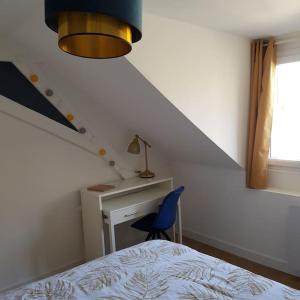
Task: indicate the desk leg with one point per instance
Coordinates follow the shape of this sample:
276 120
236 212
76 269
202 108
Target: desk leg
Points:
179 221
174 232
112 239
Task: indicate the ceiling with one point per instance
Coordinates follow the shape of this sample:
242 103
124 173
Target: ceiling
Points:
253 18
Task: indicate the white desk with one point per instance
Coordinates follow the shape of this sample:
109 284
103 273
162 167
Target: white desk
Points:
130 199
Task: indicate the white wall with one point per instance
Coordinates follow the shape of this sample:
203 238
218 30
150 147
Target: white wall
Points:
204 73
41 172
40 217
259 225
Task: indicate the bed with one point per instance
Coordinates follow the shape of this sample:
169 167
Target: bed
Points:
155 270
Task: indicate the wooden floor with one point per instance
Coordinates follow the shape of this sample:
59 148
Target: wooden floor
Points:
275 275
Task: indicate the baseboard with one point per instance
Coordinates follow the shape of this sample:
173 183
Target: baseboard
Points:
254 256
44 275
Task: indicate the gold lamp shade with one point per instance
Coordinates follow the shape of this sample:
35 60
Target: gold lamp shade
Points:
93 35
134 147
95 28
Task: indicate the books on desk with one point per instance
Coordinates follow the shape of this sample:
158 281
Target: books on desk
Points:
101 188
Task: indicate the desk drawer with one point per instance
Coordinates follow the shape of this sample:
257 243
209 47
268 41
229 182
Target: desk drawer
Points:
130 213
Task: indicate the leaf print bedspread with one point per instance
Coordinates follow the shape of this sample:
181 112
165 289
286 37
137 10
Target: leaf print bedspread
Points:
155 270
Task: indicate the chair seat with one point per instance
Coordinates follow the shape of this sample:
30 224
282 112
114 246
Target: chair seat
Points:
156 224
146 223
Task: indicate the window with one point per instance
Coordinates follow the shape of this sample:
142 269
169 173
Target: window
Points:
285 141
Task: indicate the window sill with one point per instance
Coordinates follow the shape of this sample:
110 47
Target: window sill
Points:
283 192
286 166
284 177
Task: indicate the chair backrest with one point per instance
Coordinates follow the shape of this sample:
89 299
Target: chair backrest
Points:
166 216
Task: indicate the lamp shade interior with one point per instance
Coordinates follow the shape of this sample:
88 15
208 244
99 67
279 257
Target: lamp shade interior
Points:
134 147
93 35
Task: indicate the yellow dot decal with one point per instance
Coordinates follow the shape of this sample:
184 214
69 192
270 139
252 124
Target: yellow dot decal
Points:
34 78
70 117
102 152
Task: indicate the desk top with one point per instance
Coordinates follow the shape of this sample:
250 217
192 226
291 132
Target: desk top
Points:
131 184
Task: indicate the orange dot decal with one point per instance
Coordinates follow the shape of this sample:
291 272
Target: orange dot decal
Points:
102 152
34 78
70 117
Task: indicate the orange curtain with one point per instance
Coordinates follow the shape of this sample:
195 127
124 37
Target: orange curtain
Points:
263 67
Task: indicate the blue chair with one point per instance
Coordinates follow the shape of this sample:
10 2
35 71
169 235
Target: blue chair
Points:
157 223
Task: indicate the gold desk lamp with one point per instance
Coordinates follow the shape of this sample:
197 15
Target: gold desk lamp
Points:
134 148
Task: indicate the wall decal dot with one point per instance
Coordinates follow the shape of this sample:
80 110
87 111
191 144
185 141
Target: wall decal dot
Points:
112 163
70 117
49 93
82 130
102 152
34 78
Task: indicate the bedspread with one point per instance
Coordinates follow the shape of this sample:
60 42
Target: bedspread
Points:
155 270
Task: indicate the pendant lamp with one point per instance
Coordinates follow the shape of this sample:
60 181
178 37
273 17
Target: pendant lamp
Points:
95 28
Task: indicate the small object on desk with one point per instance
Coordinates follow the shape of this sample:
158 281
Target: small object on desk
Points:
101 188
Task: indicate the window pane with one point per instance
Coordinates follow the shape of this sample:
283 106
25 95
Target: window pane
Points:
285 142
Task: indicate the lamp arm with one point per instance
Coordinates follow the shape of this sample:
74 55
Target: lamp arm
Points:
145 142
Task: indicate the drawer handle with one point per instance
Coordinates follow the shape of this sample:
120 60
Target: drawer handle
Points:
129 215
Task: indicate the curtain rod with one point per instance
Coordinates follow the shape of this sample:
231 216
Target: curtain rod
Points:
280 42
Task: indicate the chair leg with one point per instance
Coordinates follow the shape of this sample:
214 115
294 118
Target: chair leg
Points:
148 236
153 235
158 235
166 236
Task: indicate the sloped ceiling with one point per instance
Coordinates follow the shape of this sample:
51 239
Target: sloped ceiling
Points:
204 73
121 90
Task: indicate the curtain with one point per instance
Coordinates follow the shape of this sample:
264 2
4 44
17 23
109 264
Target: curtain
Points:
263 68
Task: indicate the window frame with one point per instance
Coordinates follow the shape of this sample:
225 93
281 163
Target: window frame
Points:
284 175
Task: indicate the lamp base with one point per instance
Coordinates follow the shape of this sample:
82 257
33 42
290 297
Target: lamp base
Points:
146 174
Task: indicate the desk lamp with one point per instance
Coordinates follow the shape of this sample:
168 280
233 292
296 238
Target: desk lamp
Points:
135 148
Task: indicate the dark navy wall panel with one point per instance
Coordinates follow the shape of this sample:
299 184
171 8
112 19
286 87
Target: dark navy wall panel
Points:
15 86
